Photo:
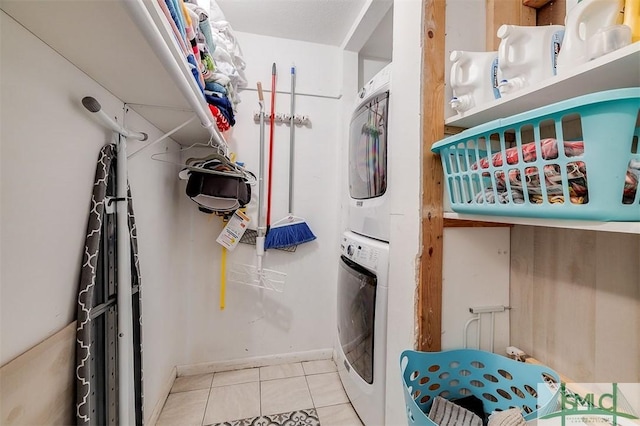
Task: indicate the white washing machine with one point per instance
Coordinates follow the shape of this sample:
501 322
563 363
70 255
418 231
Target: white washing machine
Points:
362 324
369 208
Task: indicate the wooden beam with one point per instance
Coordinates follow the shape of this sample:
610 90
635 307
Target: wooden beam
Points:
536 4
552 13
501 12
429 304
462 223
453 130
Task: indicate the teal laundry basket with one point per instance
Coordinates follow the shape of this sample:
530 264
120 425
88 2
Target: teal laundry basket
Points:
501 383
575 159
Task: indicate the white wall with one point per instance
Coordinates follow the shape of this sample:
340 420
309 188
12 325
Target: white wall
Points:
475 274
260 322
368 67
49 152
405 161
465 29
49 147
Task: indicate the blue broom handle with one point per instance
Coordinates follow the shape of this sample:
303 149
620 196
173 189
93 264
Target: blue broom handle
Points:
292 138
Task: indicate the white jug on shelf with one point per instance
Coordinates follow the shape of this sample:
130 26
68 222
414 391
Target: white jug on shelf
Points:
473 78
582 23
527 55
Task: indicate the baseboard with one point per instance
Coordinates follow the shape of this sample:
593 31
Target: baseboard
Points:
155 414
259 361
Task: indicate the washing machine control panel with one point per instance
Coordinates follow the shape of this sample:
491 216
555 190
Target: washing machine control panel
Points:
375 85
360 253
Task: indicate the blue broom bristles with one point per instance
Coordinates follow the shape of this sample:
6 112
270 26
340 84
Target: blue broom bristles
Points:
288 235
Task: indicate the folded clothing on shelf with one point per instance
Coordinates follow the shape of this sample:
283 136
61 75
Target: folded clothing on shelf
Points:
213 53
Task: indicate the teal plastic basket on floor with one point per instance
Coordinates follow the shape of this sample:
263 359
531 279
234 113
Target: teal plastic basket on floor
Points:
575 159
501 383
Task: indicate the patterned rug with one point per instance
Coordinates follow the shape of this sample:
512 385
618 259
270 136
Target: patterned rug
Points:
307 417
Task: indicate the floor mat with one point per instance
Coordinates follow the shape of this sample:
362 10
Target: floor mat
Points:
308 417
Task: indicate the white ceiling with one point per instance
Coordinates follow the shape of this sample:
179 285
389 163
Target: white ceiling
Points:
316 21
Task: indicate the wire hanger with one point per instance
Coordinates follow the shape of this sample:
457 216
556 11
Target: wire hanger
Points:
199 164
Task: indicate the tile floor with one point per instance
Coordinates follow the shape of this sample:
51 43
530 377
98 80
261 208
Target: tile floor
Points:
228 397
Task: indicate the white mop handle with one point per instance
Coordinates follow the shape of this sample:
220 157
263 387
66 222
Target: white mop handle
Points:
260 246
259 252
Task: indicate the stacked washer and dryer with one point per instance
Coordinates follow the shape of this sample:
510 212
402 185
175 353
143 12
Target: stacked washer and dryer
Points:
364 260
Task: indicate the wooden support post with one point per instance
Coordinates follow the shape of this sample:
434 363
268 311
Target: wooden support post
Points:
429 306
506 12
536 4
552 13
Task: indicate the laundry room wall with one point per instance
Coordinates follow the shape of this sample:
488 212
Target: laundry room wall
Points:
465 29
257 322
405 194
49 148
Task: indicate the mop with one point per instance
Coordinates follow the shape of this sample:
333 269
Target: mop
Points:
291 230
258 276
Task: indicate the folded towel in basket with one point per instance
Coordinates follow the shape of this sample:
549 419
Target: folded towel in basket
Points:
511 417
446 413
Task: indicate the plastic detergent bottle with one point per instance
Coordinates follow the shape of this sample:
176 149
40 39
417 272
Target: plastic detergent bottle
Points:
473 78
582 22
632 18
527 54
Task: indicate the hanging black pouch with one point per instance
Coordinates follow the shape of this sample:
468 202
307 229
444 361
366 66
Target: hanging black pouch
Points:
218 192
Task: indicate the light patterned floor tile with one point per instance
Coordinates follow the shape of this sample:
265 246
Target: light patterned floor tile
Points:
225 378
326 389
338 415
282 371
189 383
184 408
319 367
233 402
284 395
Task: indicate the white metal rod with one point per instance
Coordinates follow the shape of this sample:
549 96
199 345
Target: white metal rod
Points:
487 309
161 138
126 406
466 327
491 333
147 26
94 107
286 92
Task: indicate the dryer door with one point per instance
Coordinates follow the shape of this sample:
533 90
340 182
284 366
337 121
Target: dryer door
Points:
368 149
356 316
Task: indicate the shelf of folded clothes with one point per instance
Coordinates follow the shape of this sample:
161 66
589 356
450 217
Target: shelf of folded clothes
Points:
214 56
115 52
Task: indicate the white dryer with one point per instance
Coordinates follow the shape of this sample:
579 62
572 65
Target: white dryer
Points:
368 199
362 324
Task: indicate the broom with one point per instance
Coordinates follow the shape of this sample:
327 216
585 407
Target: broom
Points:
291 230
